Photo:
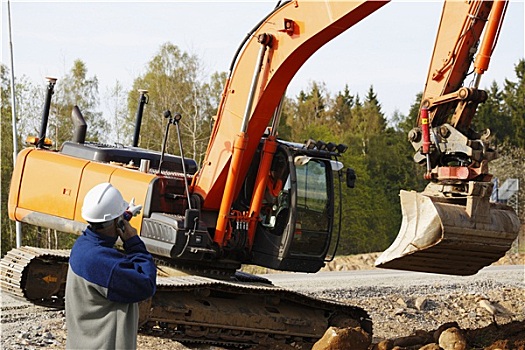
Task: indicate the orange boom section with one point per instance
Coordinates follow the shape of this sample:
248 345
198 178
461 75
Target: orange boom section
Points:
298 29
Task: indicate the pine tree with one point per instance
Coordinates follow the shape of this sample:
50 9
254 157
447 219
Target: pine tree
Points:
514 98
342 108
491 115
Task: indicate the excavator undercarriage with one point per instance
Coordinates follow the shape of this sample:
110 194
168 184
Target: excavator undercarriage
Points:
229 310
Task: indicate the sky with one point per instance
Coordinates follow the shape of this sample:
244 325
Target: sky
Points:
390 50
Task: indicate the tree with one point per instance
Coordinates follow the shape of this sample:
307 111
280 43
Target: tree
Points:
491 115
27 100
366 120
309 112
76 88
174 82
121 131
405 123
342 108
366 223
284 130
8 227
511 165
30 100
514 97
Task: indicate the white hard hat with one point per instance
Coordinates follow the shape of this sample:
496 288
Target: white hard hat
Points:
103 203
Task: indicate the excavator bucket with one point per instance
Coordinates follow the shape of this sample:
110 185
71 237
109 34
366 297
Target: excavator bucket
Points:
440 236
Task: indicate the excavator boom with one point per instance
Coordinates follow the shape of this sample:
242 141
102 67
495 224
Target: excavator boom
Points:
297 29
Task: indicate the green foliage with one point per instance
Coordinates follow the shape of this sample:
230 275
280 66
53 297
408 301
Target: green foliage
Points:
8 227
342 108
308 112
514 98
365 212
173 80
76 89
504 111
380 156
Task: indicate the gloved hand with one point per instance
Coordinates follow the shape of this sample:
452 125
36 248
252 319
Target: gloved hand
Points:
133 210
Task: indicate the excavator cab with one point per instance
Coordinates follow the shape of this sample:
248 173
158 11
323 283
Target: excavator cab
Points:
295 230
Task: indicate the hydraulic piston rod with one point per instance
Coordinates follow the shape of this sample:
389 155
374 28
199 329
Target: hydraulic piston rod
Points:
221 233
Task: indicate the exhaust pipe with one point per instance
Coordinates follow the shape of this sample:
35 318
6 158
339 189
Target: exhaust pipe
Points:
45 114
143 100
79 134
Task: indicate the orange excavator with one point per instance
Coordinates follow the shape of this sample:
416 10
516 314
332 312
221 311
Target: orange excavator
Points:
263 201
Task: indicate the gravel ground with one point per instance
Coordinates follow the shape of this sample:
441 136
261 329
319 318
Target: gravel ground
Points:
398 307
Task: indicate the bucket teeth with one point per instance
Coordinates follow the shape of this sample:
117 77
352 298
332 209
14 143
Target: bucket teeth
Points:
440 236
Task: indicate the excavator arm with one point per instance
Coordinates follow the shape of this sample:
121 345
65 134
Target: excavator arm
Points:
275 51
462 24
452 227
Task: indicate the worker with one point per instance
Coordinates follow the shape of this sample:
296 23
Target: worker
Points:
278 173
104 285
274 187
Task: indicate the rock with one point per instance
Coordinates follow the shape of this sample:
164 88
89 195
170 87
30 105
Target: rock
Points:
399 311
425 334
442 328
384 345
421 303
410 341
452 339
48 335
23 335
401 302
493 308
343 338
431 346
274 346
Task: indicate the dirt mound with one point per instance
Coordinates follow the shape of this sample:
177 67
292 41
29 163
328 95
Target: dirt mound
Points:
366 261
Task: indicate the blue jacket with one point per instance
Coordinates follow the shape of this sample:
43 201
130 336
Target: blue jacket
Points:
102 290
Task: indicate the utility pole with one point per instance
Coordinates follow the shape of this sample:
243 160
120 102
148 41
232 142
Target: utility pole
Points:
13 114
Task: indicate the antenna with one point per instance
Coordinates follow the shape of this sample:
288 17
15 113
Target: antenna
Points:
176 119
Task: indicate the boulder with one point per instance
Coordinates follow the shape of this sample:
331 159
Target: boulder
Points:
452 339
343 338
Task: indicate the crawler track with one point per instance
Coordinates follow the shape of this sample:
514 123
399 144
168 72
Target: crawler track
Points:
240 311
35 274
